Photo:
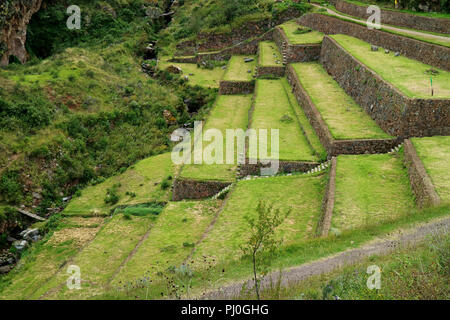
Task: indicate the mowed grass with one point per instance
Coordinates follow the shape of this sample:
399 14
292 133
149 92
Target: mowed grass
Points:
435 153
410 76
101 258
344 118
197 76
229 112
142 179
179 227
290 28
269 55
47 257
238 69
370 189
307 129
298 193
272 110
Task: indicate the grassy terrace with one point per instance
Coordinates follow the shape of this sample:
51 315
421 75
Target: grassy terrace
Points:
229 112
237 69
179 227
141 181
45 258
100 260
273 110
370 189
301 194
197 76
269 54
344 118
291 29
434 153
307 129
409 76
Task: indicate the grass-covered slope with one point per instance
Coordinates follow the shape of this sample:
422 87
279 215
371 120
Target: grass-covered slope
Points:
140 183
301 194
273 110
229 112
411 77
239 70
370 189
344 118
269 55
297 34
434 152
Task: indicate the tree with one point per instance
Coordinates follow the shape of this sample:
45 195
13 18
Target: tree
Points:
263 242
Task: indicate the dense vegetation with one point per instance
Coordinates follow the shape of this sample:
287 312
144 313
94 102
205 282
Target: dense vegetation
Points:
82 108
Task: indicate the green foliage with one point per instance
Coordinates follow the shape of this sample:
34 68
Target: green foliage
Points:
263 242
112 196
11 189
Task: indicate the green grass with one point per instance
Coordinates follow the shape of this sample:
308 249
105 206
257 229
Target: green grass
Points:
370 189
390 6
344 118
415 273
169 243
290 29
100 260
208 78
237 69
269 54
229 112
42 261
139 179
273 110
307 129
408 75
301 194
434 153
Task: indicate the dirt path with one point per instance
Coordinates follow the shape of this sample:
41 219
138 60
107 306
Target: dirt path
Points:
381 246
387 27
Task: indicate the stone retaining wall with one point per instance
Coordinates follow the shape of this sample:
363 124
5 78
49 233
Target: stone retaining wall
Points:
431 54
196 189
295 52
324 225
267 71
395 18
392 110
248 169
220 41
236 87
334 147
420 181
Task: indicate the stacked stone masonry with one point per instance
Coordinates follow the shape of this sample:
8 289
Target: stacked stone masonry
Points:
435 55
394 112
421 183
439 25
334 147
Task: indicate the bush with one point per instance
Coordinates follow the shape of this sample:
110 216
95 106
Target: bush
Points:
10 187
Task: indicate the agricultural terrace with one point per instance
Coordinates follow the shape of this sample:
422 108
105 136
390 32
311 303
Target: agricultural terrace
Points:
273 110
302 194
239 70
344 118
141 183
370 189
229 112
269 55
411 77
298 34
435 153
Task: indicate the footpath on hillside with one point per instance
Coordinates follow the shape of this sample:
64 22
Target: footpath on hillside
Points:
387 27
382 246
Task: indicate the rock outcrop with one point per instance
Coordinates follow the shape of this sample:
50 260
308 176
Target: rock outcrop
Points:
14 18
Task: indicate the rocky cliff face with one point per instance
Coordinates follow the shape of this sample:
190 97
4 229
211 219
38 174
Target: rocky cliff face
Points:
14 18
